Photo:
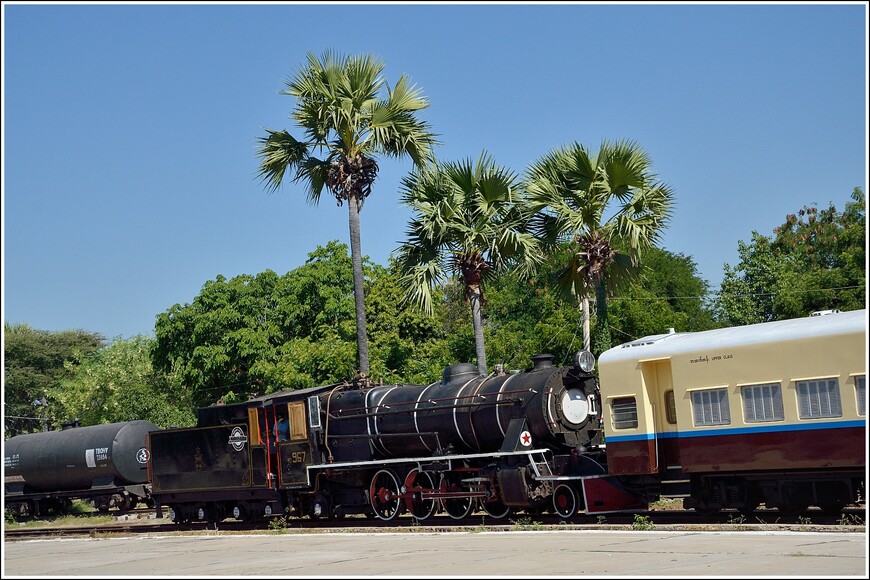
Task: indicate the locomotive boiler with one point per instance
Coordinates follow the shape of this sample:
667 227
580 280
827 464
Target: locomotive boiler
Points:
105 464
557 408
502 442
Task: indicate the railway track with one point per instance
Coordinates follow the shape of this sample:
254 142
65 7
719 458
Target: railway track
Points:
852 519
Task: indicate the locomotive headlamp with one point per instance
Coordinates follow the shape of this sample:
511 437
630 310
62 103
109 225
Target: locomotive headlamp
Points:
585 361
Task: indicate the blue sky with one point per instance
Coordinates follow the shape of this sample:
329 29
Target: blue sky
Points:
129 130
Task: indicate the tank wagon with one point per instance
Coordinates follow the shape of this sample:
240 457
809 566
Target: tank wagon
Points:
527 441
771 413
105 464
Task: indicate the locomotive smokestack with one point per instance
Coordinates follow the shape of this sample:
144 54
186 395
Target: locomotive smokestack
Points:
542 361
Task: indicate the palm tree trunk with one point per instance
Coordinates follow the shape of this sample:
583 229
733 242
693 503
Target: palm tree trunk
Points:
602 330
362 344
474 294
587 339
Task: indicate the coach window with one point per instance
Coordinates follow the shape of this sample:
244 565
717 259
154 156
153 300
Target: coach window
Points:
624 413
819 398
762 403
710 407
670 408
861 393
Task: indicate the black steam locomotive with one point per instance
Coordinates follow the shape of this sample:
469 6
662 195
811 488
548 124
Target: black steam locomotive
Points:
504 442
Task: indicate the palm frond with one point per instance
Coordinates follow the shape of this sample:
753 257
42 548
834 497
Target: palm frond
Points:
601 200
419 277
279 151
406 97
465 212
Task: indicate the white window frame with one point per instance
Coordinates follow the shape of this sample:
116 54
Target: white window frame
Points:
762 403
624 414
819 398
713 406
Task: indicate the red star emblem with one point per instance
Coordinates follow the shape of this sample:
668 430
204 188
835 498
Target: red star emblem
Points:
526 438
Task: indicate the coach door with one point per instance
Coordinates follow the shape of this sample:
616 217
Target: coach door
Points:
664 454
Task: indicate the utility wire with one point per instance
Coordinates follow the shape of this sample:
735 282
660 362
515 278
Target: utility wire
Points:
715 292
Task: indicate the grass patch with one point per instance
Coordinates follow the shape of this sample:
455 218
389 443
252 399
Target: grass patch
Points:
525 525
642 523
667 503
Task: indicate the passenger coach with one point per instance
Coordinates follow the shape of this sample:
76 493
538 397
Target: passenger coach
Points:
771 413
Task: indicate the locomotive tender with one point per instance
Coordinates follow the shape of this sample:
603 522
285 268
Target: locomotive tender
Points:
105 464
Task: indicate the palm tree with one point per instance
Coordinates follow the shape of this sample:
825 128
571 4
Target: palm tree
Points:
607 205
346 125
466 223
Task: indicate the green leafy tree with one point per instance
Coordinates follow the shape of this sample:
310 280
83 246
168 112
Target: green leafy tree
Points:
408 345
316 322
814 261
610 207
221 344
347 124
118 383
529 317
34 362
257 334
747 291
465 223
668 293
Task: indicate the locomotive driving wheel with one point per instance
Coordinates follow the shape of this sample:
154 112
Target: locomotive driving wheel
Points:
457 508
384 494
415 482
494 508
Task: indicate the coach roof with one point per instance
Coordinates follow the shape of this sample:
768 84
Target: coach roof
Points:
661 345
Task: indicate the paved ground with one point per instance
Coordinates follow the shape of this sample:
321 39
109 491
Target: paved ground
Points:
464 554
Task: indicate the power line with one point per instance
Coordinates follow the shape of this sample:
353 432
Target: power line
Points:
717 292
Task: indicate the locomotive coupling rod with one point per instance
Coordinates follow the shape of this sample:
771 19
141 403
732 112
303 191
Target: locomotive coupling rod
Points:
439 494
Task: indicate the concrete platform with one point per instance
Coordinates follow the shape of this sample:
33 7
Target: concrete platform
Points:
463 554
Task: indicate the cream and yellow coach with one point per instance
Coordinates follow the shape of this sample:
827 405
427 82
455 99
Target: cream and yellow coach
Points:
771 413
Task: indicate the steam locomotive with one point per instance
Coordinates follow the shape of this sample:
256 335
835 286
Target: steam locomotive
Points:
504 442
